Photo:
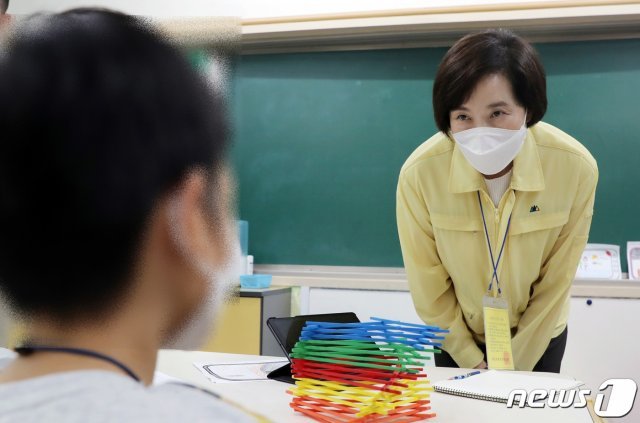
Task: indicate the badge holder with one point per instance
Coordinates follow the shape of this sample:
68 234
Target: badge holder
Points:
497 332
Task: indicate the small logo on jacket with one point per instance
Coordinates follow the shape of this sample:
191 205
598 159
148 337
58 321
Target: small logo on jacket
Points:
534 209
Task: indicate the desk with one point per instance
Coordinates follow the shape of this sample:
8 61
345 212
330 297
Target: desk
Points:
269 398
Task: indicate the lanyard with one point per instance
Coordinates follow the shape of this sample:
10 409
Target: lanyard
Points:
495 264
28 349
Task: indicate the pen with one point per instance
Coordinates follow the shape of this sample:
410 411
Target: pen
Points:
477 372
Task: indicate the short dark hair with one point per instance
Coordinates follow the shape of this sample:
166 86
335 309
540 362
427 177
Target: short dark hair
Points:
4 5
99 119
495 51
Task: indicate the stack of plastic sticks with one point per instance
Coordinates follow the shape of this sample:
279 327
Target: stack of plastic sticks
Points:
363 372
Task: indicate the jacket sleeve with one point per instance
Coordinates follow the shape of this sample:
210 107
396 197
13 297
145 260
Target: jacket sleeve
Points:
431 287
552 288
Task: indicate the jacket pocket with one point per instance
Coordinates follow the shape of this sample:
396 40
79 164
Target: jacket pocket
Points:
456 223
539 222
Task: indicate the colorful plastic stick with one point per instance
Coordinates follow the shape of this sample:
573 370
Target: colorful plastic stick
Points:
368 372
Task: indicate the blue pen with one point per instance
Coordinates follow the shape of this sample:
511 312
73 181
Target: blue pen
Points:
477 372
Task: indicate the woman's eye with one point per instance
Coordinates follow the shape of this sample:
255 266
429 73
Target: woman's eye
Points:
496 114
462 117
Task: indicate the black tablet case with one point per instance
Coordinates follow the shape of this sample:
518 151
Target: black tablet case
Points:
287 330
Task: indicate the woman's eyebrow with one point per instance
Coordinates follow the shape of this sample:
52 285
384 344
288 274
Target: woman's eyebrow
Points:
498 104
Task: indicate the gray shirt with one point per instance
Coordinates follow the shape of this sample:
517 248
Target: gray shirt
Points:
99 396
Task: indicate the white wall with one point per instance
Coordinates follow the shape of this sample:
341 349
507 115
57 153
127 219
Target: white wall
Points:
155 8
244 8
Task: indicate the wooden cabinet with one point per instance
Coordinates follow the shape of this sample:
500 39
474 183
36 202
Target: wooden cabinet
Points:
241 327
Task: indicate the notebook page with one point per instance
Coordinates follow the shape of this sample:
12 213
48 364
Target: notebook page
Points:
499 384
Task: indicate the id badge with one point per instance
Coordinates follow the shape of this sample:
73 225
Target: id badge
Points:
497 333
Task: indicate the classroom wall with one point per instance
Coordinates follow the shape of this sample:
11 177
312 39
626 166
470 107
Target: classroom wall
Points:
320 139
244 8
262 9
154 8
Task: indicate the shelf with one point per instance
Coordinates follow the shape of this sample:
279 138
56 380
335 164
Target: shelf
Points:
394 279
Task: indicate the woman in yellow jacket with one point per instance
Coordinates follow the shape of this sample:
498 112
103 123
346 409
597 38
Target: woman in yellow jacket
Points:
495 201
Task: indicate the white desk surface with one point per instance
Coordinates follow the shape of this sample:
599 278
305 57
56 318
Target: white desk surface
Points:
270 399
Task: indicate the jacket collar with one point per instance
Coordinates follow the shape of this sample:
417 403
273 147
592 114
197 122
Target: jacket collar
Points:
527 170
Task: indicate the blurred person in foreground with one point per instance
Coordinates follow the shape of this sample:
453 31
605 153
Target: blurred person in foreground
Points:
4 318
117 231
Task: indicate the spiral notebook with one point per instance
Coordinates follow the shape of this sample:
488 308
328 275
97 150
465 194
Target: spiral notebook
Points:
494 385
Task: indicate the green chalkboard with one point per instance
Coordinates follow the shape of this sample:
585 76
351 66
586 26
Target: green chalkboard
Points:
320 139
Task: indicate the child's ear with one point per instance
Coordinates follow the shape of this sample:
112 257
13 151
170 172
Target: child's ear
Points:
189 228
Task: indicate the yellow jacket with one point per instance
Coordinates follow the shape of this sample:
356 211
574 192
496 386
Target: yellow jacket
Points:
445 250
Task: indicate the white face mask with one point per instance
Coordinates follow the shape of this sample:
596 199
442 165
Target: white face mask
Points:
490 150
221 282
